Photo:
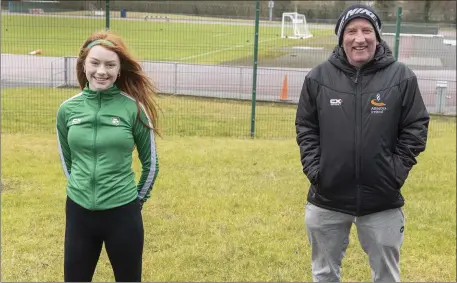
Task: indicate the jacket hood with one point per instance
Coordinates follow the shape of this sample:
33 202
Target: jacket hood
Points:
383 57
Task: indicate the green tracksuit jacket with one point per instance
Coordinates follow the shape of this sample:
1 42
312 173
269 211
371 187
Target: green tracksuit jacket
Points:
97 133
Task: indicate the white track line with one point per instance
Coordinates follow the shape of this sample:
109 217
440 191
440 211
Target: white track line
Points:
222 50
222 34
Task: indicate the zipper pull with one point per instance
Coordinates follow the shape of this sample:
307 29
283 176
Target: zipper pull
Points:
357 76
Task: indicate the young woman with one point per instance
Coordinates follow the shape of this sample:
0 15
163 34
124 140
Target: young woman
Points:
98 130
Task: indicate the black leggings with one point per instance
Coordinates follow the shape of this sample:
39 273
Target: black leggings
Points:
120 228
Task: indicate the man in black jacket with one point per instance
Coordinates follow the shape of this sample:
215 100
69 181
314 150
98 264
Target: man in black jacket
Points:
361 122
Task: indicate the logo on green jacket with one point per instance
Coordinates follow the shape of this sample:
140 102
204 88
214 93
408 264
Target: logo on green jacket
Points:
115 121
76 121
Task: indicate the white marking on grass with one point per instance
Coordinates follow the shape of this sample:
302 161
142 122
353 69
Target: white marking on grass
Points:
209 53
221 50
308 48
222 34
414 34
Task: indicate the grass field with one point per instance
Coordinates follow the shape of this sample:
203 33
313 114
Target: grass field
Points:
179 116
191 42
224 208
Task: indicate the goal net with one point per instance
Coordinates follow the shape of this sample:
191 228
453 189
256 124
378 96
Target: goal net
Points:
294 26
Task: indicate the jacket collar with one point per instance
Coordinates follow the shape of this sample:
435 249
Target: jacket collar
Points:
108 93
383 57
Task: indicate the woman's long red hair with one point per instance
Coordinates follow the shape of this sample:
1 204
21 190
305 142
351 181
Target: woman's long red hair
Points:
132 80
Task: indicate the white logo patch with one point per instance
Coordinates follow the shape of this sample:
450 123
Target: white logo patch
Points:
336 102
76 121
116 121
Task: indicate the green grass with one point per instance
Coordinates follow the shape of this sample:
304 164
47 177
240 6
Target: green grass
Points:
33 109
224 208
162 41
26 109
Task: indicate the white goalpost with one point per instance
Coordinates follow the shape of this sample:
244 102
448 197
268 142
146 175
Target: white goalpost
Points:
294 26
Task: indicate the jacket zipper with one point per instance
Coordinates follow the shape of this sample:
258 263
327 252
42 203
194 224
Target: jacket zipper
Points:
95 149
358 136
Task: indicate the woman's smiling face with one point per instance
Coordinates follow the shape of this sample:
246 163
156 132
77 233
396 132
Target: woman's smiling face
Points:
102 68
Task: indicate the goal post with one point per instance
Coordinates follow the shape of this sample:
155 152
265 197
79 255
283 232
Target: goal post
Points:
294 26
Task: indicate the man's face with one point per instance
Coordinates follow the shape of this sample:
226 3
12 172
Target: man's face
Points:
359 42
102 68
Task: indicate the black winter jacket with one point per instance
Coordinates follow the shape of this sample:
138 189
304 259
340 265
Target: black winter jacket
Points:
359 132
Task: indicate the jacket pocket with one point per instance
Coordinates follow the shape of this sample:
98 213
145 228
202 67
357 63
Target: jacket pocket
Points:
399 170
314 179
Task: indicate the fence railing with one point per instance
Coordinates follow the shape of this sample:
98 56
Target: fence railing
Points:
438 88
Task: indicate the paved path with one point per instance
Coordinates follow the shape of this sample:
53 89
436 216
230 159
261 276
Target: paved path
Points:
202 80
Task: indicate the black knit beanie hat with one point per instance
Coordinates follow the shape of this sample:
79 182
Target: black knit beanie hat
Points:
357 11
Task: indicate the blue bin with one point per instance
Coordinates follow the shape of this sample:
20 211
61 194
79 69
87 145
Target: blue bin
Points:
124 13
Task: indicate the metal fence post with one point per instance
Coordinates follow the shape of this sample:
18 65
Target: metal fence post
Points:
271 5
440 101
254 71
240 91
397 33
65 71
175 88
52 73
107 15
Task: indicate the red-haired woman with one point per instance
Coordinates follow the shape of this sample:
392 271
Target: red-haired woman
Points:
98 130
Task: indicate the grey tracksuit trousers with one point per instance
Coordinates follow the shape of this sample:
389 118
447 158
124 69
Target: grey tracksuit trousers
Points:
380 235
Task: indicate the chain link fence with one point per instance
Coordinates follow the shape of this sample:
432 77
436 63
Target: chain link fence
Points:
201 56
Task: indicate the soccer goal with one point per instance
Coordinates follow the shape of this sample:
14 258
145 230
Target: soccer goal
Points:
294 26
